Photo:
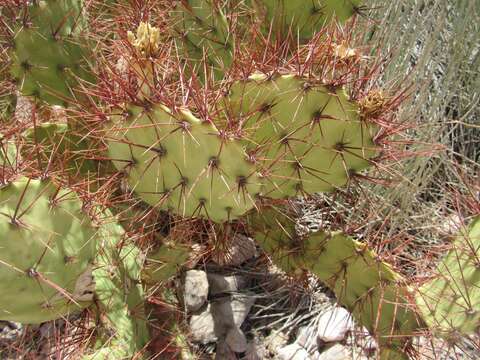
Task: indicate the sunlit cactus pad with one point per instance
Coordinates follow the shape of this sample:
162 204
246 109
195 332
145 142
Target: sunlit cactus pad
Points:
307 137
179 163
450 302
47 249
48 57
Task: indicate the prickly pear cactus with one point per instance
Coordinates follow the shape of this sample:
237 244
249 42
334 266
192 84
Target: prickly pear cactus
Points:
307 138
302 19
204 31
48 57
48 247
164 262
8 153
179 163
375 294
48 142
450 302
120 297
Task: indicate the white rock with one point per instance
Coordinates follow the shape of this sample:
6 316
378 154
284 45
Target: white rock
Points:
307 338
275 341
195 289
224 284
293 352
202 327
335 352
334 324
236 340
240 249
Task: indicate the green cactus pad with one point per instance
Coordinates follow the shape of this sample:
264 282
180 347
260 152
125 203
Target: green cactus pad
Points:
164 262
375 294
47 249
307 138
182 164
8 153
450 303
205 31
120 297
48 55
58 141
302 19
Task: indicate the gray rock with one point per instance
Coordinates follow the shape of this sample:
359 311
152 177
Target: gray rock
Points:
225 284
255 352
236 340
223 352
195 289
240 249
335 352
202 327
293 352
230 312
333 325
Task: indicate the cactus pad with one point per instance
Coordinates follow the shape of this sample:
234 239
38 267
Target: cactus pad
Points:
302 19
120 296
181 163
450 303
205 30
58 141
375 294
48 246
306 137
48 56
164 262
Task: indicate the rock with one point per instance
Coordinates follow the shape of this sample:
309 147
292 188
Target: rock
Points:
293 352
236 340
202 327
195 289
255 352
240 249
307 338
334 325
335 352
275 341
225 284
231 311
223 352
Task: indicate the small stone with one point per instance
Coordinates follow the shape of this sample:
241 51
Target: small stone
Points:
225 284
293 352
240 249
306 338
255 352
236 340
202 327
232 311
275 341
195 289
335 352
223 352
334 325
